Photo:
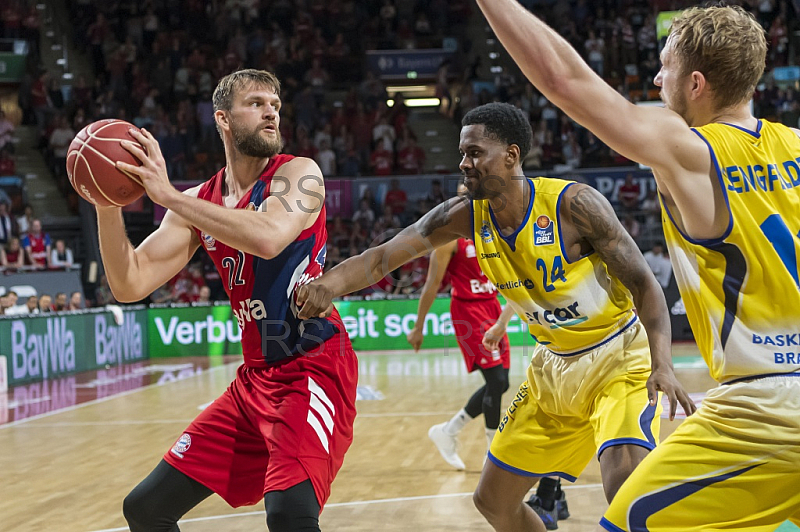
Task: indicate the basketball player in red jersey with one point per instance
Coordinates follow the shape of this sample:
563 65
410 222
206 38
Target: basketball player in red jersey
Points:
474 309
281 429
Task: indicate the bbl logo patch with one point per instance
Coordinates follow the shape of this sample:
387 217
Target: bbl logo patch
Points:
543 232
486 233
209 241
182 445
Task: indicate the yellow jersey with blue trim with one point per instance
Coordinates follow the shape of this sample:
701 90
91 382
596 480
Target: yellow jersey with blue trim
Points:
571 307
741 291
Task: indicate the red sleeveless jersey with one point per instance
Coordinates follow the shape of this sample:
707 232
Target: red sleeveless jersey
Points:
262 292
466 277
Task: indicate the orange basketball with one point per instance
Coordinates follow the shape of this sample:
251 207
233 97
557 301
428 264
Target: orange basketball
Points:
91 164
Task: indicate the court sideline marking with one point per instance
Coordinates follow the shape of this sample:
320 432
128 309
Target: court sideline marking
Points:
346 504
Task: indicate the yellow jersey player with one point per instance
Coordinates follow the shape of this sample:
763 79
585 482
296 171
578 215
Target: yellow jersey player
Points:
557 252
730 195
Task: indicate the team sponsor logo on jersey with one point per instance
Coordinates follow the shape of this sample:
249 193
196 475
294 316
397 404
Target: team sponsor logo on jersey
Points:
543 232
208 241
486 233
182 445
557 318
478 287
470 251
490 255
508 285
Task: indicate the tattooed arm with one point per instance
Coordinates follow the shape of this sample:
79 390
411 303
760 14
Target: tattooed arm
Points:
444 223
596 223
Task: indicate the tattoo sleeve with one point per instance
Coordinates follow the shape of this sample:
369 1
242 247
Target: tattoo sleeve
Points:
596 221
443 215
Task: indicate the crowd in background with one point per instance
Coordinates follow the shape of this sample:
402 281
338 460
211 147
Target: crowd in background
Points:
156 63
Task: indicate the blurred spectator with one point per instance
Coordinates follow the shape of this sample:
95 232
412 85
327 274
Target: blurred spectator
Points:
326 159
411 159
396 198
37 245
338 235
75 301
45 304
204 296
61 256
533 160
652 210
632 227
572 151
102 294
359 238
364 215
381 161
12 255
6 131
11 299
384 133
7 226
7 164
4 306
61 302
32 305
25 220
595 52
60 139
629 194
660 264
386 226
162 295
436 194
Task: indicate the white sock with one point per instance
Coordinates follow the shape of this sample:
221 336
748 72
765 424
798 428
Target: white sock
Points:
458 422
489 437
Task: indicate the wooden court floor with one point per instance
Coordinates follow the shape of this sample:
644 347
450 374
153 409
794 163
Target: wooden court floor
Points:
69 470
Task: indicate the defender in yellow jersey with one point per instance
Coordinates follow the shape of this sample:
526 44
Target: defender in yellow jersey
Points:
730 191
590 389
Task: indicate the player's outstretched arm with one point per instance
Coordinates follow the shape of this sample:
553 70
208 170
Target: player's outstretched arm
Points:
596 222
296 199
132 273
440 258
444 223
653 136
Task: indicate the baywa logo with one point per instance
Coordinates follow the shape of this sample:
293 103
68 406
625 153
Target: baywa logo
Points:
42 355
115 344
486 233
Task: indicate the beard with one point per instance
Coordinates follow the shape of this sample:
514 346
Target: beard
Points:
475 188
676 103
252 144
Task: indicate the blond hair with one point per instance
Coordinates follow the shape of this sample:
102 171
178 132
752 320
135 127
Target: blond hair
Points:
236 81
727 45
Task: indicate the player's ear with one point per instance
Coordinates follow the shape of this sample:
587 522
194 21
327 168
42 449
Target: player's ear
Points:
221 118
512 155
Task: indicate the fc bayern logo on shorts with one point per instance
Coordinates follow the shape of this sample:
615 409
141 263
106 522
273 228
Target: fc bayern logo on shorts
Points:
543 232
182 445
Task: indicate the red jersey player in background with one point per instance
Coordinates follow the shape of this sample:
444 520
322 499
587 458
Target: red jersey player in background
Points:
281 429
474 309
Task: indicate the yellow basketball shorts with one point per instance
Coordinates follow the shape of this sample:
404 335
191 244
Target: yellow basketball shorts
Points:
571 408
733 465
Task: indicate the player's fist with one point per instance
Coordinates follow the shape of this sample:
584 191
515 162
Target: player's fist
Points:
492 337
415 338
314 300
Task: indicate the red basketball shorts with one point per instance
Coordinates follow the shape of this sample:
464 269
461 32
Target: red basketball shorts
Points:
275 427
471 319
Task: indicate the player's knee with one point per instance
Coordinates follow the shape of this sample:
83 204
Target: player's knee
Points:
139 514
293 510
287 519
486 503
